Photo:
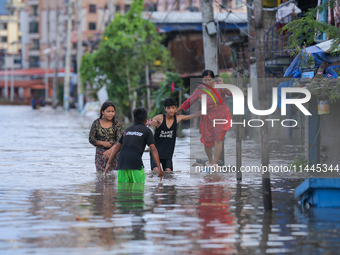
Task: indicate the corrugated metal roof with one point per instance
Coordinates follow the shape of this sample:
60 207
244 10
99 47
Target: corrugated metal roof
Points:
193 17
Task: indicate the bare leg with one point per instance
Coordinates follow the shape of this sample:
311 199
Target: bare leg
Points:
155 169
208 151
167 169
217 151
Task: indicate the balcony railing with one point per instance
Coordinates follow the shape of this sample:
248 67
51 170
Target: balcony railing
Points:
275 43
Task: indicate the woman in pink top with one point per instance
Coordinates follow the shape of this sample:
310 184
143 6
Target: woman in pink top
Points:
211 136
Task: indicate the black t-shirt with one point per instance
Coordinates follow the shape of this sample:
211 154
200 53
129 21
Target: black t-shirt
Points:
165 139
134 140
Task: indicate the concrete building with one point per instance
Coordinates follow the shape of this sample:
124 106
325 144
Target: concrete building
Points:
39 31
10 34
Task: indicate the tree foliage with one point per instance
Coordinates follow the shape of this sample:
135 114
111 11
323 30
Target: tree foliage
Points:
128 44
307 28
164 92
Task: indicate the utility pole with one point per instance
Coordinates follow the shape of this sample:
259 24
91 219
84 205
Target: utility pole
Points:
68 57
147 81
56 57
47 56
6 76
262 96
209 44
112 9
209 41
238 127
79 56
12 76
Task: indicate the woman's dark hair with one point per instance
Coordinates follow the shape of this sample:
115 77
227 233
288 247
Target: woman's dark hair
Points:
104 107
170 102
208 73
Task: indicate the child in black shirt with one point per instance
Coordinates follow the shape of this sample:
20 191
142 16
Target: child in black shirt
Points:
131 146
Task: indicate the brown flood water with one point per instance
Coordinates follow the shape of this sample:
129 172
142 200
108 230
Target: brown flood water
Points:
53 202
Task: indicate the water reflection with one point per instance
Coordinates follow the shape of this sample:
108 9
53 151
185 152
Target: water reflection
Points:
54 203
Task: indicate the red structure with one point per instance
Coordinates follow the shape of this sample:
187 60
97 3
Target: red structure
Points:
29 83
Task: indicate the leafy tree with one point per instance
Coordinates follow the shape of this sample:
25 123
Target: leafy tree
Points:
128 44
305 29
164 92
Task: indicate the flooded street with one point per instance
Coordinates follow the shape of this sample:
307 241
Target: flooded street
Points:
52 201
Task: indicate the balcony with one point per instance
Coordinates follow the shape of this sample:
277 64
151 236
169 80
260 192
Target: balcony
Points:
32 2
33 52
15 4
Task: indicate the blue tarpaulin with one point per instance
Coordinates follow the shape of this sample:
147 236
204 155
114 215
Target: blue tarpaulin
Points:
294 69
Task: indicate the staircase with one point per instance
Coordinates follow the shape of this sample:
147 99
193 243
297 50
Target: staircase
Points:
277 58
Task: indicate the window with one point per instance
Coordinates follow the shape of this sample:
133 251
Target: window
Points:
127 8
35 10
92 8
36 44
239 4
34 27
19 39
4 39
117 8
17 61
3 26
92 26
34 61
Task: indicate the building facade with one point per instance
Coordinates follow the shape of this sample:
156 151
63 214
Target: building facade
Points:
39 31
10 34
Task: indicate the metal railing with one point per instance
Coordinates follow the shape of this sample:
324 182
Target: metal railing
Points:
275 43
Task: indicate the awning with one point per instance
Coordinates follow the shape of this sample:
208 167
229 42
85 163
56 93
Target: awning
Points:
192 21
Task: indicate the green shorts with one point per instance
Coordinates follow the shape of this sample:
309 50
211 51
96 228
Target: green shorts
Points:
131 176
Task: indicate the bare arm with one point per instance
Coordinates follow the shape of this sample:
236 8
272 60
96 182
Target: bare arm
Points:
188 117
155 121
154 154
113 154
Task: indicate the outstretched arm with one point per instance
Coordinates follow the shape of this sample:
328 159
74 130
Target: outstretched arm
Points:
155 121
113 154
154 154
190 101
188 117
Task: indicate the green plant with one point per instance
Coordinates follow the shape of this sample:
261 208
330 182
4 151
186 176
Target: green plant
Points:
298 163
305 60
164 92
128 44
324 88
306 28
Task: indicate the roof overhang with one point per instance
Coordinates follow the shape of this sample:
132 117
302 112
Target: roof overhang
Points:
192 21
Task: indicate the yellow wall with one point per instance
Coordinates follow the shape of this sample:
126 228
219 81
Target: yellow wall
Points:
12 33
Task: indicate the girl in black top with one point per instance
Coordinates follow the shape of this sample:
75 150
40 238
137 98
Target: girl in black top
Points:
105 133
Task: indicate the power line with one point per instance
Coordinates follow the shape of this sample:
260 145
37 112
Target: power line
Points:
186 47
